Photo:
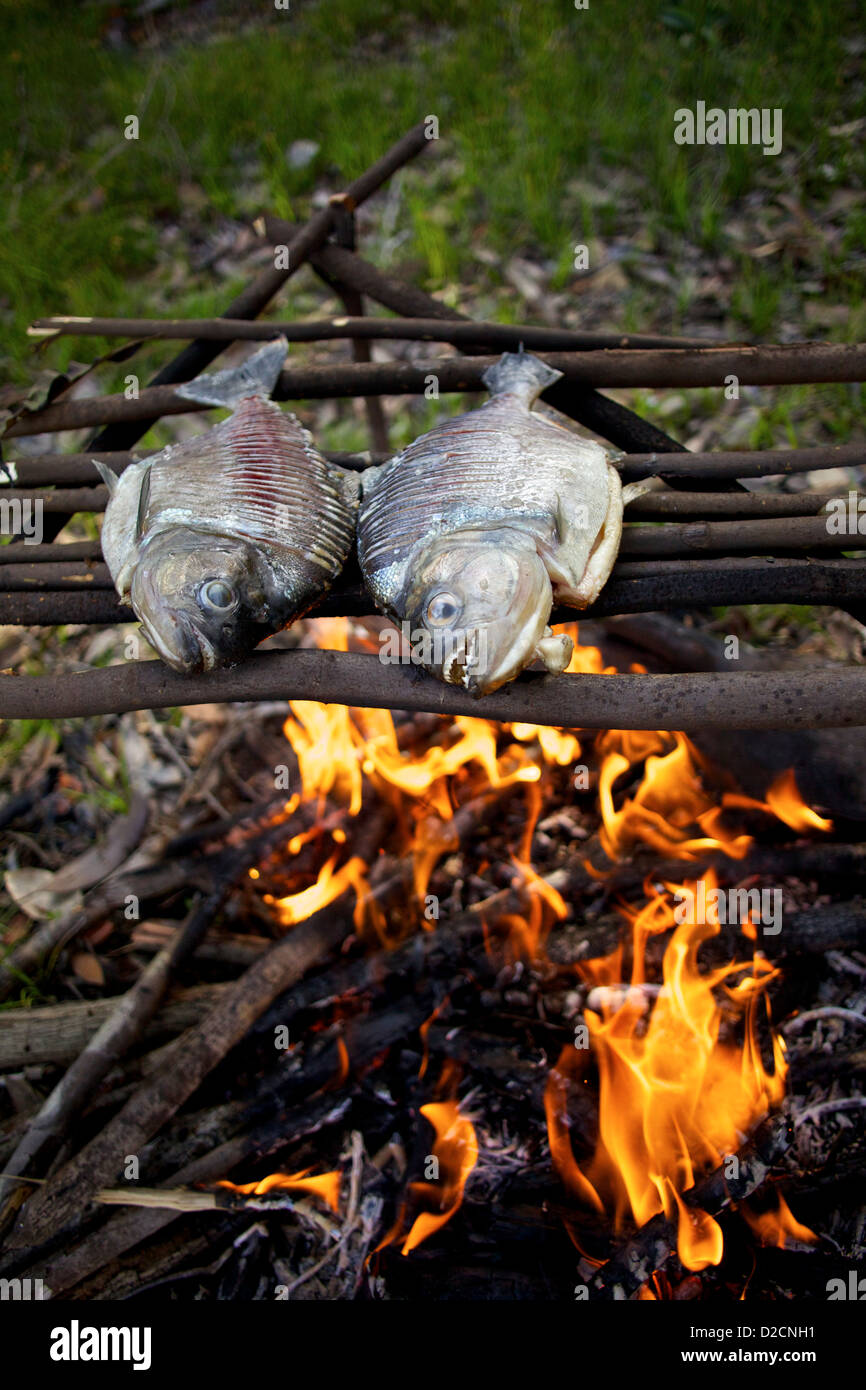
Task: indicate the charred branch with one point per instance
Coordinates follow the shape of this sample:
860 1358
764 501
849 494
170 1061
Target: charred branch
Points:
642 367
650 1247
635 587
773 536
60 470
742 700
55 470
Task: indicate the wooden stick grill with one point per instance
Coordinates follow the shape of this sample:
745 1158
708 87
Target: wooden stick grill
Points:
720 545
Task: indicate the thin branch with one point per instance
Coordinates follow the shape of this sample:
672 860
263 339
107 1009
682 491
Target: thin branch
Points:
643 367
505 336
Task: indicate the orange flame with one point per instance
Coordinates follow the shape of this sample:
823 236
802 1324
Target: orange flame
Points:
324 1185
777 1227
783 801
676 1094
675 1099
455 1150
297 907
669 800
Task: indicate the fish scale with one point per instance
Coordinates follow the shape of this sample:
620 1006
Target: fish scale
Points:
428 489
256 475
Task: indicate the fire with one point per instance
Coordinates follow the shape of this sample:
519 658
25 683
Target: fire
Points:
669 800
675 1098
777 1227
344 754
456 1150
324 1185
330 884
785 802
455 1153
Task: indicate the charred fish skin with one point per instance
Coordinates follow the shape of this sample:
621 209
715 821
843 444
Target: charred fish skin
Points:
477 526
225 538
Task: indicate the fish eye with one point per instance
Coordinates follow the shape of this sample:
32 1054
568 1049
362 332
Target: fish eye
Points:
442 609
216 594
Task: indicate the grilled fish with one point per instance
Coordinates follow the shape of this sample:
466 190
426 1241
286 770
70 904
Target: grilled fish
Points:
223 539
468 535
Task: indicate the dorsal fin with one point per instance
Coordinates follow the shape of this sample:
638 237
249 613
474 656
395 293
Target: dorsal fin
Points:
257 376
108 476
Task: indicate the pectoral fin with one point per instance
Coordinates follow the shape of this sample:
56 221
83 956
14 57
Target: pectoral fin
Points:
555 650
632 491
143 501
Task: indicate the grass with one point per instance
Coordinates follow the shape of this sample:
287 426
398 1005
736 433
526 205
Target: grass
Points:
528 98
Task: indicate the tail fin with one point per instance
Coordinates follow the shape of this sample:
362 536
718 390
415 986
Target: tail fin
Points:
257 376
520 374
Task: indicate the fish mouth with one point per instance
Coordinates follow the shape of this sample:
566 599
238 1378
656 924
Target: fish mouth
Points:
511 647
183 648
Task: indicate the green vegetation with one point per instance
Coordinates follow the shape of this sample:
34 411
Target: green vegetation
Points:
534 101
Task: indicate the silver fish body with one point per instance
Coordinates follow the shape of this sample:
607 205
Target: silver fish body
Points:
223 539
472 531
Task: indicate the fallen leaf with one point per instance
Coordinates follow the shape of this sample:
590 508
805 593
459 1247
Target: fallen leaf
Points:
33 891
88 968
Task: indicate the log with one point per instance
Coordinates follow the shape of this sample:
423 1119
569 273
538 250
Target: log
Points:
56 469
69 1191
68 1267
54 1034
22 553
66 1194
54 575
730 504
120 1029
773 536
38 470
635 587
782 536
700 505
740 700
